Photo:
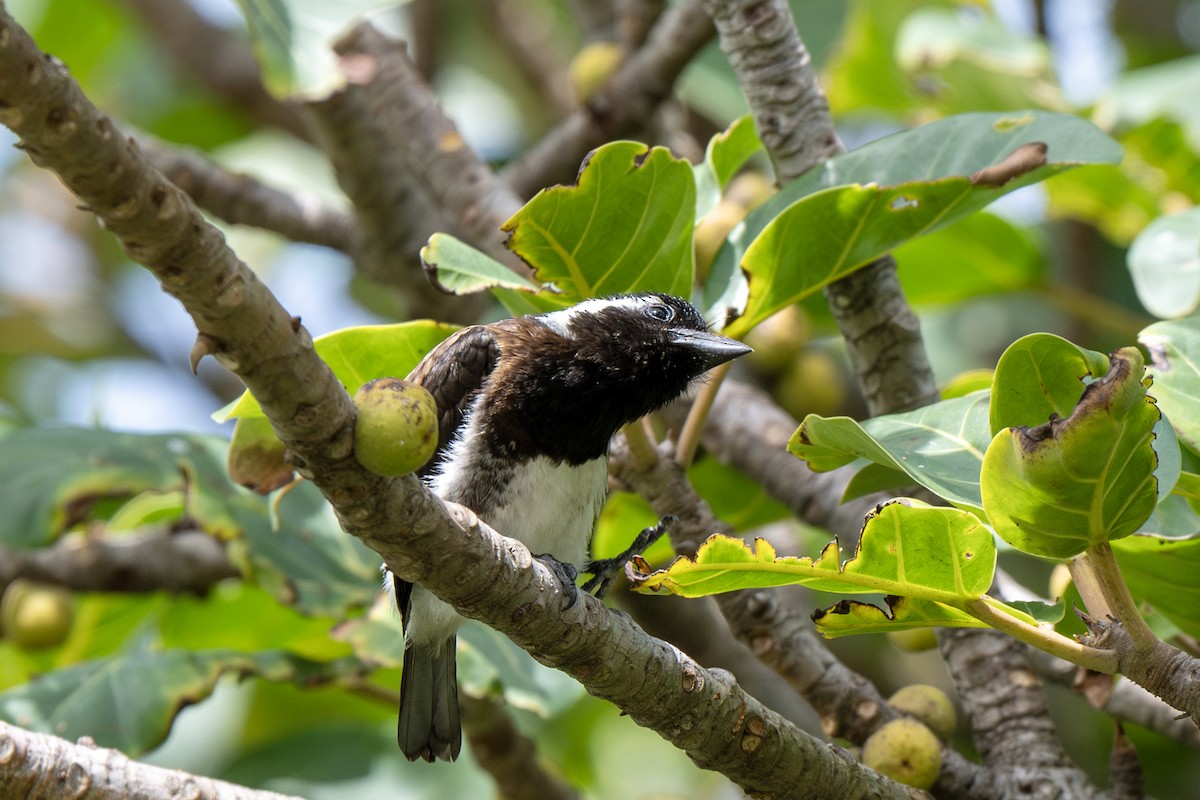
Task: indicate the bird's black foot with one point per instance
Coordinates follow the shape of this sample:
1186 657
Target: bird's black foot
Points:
605 570
566 573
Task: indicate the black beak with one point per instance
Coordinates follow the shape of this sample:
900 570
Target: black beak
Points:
711 348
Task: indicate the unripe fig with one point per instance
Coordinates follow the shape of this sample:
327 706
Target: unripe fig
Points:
928 704
397 428
36 615
592 67
905 751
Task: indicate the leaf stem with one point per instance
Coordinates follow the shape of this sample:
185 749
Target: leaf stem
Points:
1116 593
991 612
689 437
1086 583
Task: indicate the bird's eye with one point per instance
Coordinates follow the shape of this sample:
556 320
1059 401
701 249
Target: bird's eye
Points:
660 312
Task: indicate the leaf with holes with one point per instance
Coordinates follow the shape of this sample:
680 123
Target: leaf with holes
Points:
858 206
907 548
1058 488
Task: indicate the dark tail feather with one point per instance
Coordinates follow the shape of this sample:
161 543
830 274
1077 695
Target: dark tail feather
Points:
429 726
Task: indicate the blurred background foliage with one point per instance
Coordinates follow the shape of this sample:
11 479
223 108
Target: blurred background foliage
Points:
87 339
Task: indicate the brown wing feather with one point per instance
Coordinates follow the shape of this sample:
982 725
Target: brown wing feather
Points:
454 373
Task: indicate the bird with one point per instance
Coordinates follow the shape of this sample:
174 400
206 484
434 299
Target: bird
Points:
526 409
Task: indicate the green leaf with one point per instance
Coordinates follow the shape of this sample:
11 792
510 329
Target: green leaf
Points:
906 548
626 226
1164 261
1039 375
51 478
848 617
939 446
128 702
1174 349
858 206
1162 571
361 354
1058 488
293 41
458 268
727 152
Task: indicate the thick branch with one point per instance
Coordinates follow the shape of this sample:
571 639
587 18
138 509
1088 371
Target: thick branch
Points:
1006 704
37 766
445 547
622 106
792 116
142 561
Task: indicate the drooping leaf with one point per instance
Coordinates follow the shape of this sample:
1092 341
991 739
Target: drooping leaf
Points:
1039 375
1174 349
847 617
1164 261
625 226
360 354
1162 571
939 446
51 478
860 205
906 548
487 658
256 456
1058 488
129 701
726 153
458 268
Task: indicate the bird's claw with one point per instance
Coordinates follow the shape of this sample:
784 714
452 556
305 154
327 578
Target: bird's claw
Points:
605 570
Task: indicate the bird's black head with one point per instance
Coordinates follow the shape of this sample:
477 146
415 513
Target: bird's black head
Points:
591 368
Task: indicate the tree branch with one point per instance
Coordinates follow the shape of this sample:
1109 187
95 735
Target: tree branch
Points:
508 755
1006 705
421 538
621 107
148 560
882 333
37 766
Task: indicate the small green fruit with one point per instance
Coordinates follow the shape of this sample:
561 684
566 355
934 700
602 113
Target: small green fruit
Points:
36 616
397 428
592 67
928 704
905 751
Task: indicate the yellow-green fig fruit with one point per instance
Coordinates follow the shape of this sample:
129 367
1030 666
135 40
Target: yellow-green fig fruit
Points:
930 705
35 615
592 67
397 428
905 751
